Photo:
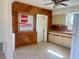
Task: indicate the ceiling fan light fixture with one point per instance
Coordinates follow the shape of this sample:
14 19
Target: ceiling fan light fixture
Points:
57 3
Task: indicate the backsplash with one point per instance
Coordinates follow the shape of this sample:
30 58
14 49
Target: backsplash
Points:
59 27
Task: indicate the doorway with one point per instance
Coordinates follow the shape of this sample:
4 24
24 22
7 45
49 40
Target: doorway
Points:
41 27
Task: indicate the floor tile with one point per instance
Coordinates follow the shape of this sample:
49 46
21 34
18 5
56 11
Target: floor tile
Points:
42 50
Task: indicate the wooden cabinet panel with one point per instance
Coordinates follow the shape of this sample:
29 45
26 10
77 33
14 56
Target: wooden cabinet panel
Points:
14 22
25 38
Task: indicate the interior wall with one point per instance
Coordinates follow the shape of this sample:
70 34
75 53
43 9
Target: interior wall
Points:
21 7
27 37
0 30
59 19
6 28
0 23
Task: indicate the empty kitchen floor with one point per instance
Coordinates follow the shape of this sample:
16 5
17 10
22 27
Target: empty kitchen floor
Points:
43 50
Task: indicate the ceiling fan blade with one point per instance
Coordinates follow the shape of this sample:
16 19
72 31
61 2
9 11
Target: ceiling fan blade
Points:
63 4
48 3
58 0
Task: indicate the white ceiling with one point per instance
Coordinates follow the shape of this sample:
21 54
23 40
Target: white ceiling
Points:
40 3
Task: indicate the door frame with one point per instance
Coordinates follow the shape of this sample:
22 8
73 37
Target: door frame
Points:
47 26
75 39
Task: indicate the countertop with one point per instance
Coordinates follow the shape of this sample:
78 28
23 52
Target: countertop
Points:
65 33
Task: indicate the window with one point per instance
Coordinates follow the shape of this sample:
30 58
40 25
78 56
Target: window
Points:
69 21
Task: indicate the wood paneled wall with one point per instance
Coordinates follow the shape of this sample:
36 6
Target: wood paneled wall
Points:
25 38
20 7
29 9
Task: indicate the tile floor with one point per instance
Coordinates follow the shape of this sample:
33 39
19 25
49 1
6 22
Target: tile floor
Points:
43 50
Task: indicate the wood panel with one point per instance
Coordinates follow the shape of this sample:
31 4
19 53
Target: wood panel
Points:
25 38
21 7
14 22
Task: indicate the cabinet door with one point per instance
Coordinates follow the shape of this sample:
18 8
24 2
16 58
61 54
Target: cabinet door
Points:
60 40
51 38
67 42
56 39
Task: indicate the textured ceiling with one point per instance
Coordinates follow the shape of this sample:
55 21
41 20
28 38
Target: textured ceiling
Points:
40 3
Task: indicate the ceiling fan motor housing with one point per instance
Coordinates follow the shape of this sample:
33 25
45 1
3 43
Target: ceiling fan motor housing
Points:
59 0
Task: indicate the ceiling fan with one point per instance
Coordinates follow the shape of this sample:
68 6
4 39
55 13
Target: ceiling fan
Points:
57 2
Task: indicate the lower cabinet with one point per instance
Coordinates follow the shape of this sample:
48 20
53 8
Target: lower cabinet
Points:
51 38
60 40
55 38
67 41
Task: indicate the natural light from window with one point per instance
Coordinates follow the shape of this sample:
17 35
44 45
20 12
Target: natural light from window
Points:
56 54
69 21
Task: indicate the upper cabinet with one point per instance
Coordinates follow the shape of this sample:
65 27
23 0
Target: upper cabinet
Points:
59 19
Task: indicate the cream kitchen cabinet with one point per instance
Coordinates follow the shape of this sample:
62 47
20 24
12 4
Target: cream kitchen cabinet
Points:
60 39
67 41
55 39
51 38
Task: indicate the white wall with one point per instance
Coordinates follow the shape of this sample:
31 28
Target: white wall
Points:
66 10
6 28
0 23
59 19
